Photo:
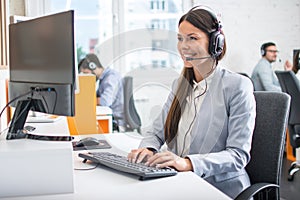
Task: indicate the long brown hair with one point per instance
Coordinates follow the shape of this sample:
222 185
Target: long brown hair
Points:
208 23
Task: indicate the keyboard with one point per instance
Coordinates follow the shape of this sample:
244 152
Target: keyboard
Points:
121 163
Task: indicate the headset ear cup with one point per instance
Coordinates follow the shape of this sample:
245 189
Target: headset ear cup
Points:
92 66
216 45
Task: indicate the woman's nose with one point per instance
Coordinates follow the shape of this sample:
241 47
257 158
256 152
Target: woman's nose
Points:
184 44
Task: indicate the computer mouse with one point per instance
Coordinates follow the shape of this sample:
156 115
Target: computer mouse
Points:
88 141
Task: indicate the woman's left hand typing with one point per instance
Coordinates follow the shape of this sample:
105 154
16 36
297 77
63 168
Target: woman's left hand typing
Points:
169 159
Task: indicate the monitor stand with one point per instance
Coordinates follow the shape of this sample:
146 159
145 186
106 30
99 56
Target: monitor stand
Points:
16 128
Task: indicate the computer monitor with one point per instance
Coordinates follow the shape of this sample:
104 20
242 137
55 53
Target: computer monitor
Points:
42 68
296 59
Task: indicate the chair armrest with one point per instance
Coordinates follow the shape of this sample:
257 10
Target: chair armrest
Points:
254 189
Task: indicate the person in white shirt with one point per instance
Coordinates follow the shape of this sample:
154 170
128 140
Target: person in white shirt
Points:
263 76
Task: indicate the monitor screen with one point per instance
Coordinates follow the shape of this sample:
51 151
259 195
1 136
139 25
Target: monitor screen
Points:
42 67
296 59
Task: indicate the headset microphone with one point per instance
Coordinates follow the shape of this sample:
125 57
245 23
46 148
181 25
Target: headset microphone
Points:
190 59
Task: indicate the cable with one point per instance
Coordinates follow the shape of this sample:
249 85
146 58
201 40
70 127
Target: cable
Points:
184 138
4 130
85 169
18 97
14 135
29 103
11 101
55 100
47 107
213 67
25 108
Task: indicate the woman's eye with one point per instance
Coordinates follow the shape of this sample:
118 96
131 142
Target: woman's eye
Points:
179 38
193 38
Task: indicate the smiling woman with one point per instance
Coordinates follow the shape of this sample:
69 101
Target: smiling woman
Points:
208 118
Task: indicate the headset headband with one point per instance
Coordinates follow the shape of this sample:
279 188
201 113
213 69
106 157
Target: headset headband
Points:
211 12
216 38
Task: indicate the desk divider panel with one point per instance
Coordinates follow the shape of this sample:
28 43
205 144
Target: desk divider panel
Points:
84 121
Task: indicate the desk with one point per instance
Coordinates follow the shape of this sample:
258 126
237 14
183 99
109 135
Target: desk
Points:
104 119
105 183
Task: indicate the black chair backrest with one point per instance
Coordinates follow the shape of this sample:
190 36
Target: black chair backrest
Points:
132 117
244 74
268 139
291 85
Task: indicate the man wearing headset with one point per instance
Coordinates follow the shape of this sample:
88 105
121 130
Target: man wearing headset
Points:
263 76
110 89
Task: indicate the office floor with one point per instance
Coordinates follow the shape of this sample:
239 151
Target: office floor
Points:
289 190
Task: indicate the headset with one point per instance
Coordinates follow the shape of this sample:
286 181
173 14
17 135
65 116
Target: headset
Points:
216 38
91 65
264 46
263 50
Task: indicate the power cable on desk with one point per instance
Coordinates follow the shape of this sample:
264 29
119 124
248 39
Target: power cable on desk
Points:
85 169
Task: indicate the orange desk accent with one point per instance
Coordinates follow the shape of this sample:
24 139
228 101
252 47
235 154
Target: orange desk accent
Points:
104 119
89 118
289 148
8 112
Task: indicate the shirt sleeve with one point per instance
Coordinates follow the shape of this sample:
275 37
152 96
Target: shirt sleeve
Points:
267 79
108 88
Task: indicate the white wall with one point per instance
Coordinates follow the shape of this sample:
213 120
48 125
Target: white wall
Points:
248 24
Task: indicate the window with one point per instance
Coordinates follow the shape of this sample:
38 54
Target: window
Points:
100 22
135 37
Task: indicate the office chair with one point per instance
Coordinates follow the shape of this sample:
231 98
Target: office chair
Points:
244 74
267 150
132 118
291 85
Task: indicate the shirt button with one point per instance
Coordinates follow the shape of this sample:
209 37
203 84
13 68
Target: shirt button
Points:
203 175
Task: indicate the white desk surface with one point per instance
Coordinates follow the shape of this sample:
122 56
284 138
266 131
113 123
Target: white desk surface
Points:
105 183
103 110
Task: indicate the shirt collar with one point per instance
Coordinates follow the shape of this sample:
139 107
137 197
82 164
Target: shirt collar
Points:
200 86
104 72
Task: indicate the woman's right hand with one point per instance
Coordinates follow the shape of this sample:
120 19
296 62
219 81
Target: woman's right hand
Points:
139 155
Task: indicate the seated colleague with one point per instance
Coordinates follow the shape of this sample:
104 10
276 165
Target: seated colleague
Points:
263 77
296 65
110 89
208 119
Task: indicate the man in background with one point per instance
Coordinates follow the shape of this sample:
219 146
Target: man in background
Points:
263 76
110 89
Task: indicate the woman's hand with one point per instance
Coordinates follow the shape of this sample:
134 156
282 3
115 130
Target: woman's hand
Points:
169 159
139 155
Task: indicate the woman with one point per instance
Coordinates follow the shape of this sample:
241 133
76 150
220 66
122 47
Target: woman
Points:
208 119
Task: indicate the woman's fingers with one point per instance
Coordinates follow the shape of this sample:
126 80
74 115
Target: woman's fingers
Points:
138 155
160 158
